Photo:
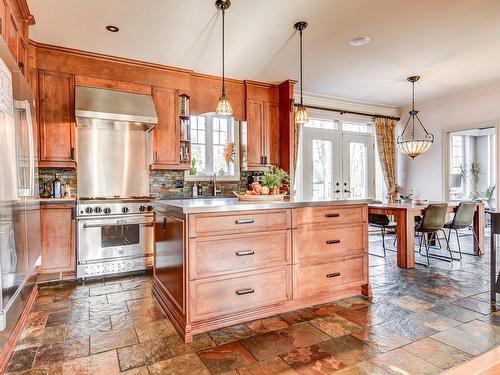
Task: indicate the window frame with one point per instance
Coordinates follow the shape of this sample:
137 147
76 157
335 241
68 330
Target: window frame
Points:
210 147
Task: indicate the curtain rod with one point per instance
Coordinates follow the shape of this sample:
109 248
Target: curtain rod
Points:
342 111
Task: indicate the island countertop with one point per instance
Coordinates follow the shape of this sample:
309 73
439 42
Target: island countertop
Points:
192 206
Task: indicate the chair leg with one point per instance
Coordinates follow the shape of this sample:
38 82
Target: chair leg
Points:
458 242
421 235
448 241
382 230
447 245
427 245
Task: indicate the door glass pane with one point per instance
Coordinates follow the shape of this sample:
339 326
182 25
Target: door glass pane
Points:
358 170
120 235
322 168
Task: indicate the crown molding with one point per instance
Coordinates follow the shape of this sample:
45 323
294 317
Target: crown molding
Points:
336 102
25 11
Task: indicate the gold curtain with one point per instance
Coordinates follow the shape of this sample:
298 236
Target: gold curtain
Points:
386 144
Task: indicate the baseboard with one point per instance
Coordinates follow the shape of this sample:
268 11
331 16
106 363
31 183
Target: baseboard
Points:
8 349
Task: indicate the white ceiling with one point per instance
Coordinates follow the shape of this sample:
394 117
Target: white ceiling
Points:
452 44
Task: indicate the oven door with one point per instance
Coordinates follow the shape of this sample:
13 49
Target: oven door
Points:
114 237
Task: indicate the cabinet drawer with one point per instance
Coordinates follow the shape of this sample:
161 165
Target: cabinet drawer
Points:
330 215
312 243
202 225
325 277
238 293
212 256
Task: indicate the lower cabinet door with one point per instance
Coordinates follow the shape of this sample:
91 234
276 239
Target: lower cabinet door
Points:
58 238
324 278
221 296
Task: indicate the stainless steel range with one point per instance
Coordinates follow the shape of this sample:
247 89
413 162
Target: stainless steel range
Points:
114 235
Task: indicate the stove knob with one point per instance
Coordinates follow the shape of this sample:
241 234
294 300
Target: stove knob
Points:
98 210
107 210
125 210
89 210
150 208
142 208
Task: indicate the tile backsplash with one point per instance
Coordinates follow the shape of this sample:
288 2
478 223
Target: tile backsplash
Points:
162 184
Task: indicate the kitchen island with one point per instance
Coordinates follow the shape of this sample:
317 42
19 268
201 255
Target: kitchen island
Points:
220 262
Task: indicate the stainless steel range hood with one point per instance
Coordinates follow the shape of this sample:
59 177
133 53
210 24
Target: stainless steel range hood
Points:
113 142
104 108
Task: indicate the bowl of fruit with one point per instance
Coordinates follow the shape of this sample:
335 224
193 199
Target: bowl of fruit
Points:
273 186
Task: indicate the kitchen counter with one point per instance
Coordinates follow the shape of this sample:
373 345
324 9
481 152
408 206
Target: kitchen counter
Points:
191 206
216 258
46 201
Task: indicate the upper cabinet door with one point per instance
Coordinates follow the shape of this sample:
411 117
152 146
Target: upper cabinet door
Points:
57 124
255 134
272 138
12 37
166 147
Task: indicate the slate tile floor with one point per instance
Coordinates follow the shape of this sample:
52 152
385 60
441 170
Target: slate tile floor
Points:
420 321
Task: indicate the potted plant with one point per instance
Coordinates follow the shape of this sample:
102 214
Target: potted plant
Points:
273 178
475 172
406 198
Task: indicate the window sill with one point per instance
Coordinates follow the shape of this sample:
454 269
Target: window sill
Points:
195 178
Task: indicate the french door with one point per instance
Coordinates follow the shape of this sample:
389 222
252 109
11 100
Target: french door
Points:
337 165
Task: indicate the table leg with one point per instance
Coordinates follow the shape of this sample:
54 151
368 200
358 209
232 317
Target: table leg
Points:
478 228
406 236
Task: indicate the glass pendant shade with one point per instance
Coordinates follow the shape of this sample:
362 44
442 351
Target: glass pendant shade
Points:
301 115
413 148
224 107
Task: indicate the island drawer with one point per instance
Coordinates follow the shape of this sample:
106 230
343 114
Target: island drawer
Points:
330 215
323 278
211 256
313 243
216 297
201 225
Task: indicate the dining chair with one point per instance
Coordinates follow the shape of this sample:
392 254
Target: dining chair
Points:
432 222
462 219
383 222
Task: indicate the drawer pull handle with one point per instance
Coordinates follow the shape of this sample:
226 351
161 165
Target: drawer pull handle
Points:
245 221
333 274
332 215
242 292
245 253
331 242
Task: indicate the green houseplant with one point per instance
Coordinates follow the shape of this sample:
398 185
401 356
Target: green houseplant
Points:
274 177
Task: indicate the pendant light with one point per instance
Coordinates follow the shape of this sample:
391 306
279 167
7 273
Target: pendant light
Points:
223 107
414 145
300 109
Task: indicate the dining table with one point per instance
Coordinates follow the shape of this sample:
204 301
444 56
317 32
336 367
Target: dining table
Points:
404 215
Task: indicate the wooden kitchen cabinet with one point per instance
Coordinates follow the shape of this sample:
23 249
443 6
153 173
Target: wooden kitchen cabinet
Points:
56 119
166 141
57 222
260 135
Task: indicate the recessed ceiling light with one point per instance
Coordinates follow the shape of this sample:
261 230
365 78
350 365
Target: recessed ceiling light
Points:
359 41
112 28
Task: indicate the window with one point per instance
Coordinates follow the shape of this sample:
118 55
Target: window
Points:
457 154
214 148
356 127
322 124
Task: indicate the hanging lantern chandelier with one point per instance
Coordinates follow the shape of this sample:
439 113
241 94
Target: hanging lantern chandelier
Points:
414 145
300 110
223 107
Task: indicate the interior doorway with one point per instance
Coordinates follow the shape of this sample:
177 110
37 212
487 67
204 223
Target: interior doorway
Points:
471 164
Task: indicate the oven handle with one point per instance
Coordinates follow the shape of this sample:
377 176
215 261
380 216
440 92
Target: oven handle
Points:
145 224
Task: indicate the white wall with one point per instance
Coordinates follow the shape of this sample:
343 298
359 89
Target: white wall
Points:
424 174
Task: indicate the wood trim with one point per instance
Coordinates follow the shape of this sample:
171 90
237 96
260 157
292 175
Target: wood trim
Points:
6 353
25 12
102 56
100 83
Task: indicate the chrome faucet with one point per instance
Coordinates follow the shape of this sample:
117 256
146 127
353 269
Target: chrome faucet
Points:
215 185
